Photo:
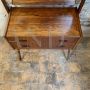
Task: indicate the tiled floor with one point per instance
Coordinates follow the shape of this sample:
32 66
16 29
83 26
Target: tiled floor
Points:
44 69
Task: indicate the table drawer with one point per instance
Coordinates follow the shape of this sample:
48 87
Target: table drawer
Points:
67 42
43 42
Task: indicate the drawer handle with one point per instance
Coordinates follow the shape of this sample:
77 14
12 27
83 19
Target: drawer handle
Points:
24 46
61 43
61 46
11 41
23 40
63 40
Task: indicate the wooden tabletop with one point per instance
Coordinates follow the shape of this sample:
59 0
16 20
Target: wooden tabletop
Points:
44 21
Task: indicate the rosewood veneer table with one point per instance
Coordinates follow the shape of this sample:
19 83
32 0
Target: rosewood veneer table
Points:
44 28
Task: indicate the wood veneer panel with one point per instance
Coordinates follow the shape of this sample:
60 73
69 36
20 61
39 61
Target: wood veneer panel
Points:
44 28
41 22
67 2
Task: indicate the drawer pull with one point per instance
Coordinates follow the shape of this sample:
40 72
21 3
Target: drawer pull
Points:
62 46
63 40
23 40
61 43
11 41
24 46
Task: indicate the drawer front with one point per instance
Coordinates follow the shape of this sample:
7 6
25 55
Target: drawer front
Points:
43 42
34 42
63 43
17 43
14 45
25 42
10 39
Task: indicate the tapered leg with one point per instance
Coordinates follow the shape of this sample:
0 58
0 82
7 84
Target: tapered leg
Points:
67 55
19 55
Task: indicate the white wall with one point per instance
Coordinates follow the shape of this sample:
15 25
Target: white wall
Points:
85 19
3 20
9 1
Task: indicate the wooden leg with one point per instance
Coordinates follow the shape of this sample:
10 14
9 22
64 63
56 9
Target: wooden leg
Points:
67 56
19 55
69 53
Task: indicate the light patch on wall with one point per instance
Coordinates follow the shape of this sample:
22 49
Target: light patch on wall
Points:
3 20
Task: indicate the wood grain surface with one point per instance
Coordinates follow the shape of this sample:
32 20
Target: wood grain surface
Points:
44 2
41 21
44 27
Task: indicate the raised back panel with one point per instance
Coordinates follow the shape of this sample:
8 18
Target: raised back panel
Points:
66 2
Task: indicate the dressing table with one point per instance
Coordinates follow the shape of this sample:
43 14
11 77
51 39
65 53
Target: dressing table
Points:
41 24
